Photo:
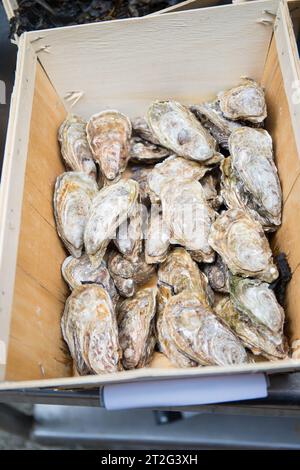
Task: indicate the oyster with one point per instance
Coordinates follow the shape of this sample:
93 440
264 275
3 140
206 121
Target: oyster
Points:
246 102
73 196
188 217
75 149
90 329
250 179
109 209
128 274
145 152
141 129
255 316
199 334
211 117
136 328
108 134
243 246
218 275
179 272
210 185
129 238
157 241
177 129
80 271
174 167
140 174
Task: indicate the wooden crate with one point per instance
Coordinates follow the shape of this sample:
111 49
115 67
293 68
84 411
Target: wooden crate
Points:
188 56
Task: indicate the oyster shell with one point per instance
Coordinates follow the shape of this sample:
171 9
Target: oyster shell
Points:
177 129
75 149
211 117
129 238
188 217
128 274
253 313
145 152
179 272
73 195
108 134
90 329
246 102
218 275
250 179
174 167
243 246
109 209
157 242
136 328
140 175
77 272
141 129
210 185
198 333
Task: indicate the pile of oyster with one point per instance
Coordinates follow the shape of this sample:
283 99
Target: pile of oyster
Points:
166 220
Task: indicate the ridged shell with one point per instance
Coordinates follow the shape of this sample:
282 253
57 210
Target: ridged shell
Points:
211 117
90 329
218 275
140 174
188 217
250 179
157 242
243 246
75 149
210 185
73 196
198 333
246 102
141 129
108 134
129 237
136 328
145 152
174 167
77 272
178 129
108 211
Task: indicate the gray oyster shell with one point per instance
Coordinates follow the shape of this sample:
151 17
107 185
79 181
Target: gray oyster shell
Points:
199 334
129 237
109 210
73 196
75 149
140 174
108 134
244 102
177 129
144 152
188 217
218 275
141 129
250 179
243 246
79 271
157 241
136 328
90 329
210 184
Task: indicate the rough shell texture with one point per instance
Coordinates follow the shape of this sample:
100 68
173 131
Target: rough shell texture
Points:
254 335
243 246
210 185
157 242
198 333
179 130
246 102
141 129
109 210
80 271
136 328
140 174
218 275
109 135
188 217
250 179
90 329
75 149
73 195
174 168
129 237
145 152
211 117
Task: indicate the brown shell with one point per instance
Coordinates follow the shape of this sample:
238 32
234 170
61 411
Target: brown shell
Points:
136 328
144 152
141 129
90 329
108 134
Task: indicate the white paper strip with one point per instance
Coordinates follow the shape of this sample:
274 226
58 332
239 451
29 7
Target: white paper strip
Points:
184 392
